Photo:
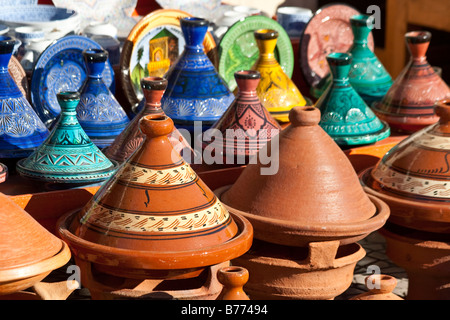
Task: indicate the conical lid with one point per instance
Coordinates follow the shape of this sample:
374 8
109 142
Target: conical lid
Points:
408 105
307 188
195 91
367 75
21 130
414 178
345 115
246 126
131 137
277 92
156 205
67 155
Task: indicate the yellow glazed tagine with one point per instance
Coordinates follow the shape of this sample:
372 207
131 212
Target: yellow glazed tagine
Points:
276 90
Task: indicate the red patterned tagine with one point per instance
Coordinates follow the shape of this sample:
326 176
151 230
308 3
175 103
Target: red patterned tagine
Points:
245 127
413 177
154 219
408 105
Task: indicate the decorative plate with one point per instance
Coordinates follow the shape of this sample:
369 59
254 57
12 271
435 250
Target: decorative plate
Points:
18 74
328 31
152 46
61 67
238 49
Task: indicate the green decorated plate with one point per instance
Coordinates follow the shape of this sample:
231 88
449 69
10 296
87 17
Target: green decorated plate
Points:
238 49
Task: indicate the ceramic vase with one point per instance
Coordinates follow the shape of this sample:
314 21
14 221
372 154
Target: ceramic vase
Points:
98 112
131 137
195 90
21 130
277 92
245 127
67 156
367 75
345 115
379 287
408 105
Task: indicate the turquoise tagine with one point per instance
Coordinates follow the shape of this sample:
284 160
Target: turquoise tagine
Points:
67 156
367 74
345 115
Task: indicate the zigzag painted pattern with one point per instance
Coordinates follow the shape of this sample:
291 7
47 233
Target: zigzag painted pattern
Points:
174 176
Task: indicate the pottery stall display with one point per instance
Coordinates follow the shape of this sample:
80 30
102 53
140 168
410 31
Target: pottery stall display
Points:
67 157
412 178
408 105
380 287
99 113
245 127
153 223
276 91
21 130
307 213
367 75
345 115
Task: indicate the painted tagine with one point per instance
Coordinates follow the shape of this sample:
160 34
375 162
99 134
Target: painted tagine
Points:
245 127
409 105
195 90
67 157
277 92
21 130
367 75
131 137
99 113
345 115
154 219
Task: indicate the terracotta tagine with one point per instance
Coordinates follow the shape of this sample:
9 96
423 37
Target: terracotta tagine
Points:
99 113
345 115
413 177
380 287
28 251
67 156
131 137
308 192
277 92
195 90
408 105
155 218
367 75
233 279
244 128
21 130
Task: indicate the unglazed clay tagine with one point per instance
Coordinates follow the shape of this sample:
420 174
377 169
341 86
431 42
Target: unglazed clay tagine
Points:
277 92
413 177
246 126
155 214
131 137
67 156
310 191
345 115
408 105
380 287
28 251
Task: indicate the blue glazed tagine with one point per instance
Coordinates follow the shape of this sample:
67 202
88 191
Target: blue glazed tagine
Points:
195 91
99 113
67 156
21 130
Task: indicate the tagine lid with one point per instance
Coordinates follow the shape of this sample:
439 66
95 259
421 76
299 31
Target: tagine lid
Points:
156 213
309 191
414 175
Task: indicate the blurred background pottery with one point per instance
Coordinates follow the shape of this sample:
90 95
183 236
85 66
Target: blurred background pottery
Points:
293 19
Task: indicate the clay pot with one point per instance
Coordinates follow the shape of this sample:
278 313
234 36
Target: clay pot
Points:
413 177
311 193
380 287
425 258
28 251
408 105
245 127
322 271
233 279
155 218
